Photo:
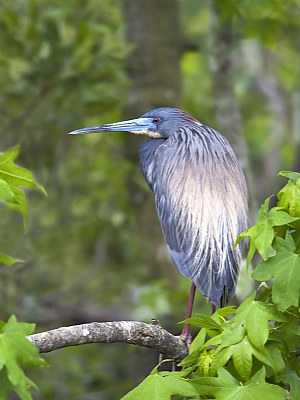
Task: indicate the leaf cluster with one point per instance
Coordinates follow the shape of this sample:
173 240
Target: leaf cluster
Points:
276 236
17 352
249 352
13 179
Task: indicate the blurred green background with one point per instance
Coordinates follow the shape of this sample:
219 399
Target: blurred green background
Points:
94 250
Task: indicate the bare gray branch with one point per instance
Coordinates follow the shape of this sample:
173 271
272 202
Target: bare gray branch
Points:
137 333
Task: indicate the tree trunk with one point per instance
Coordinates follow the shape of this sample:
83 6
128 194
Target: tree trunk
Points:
296 128
263 73
227 110
154 70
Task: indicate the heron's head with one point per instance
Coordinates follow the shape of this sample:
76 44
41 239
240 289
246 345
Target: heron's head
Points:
158 123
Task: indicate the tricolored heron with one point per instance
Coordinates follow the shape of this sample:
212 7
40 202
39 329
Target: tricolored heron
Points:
200 196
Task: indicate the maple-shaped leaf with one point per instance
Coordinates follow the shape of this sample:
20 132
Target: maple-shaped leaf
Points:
162 386
284 267
17 351
290 377
226 387
262 233
290 334
241 354
256 316
12 179
288 197
243 337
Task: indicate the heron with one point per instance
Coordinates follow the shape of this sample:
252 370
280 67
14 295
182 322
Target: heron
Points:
200 196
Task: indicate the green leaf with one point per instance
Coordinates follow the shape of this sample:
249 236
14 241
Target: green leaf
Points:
291 378
6 387
202 321
285 268
290 334
16 351
162 386
264 356
285 243
219 359
20 205
257 316
226 387
278 363
6 194
242 358
198 341
7 260
14 175
208 365
288 197
233 333
14 178
226 311
261 235
264 235
294 176
278 217
262 215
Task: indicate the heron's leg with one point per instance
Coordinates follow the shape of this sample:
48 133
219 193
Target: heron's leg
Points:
213 309
185 334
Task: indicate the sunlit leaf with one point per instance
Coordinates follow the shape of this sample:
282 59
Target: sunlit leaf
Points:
161 386
289 195
7 260
226 387
257 315
6 194
16 351
15 178
198 341
261 235
294 176
278 217
226 311
242 358
285 268
203 321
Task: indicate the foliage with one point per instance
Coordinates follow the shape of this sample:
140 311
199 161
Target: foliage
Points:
12 179
63 65
265 20
252 354
16 351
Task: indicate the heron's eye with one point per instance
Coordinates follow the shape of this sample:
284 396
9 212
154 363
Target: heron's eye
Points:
156 120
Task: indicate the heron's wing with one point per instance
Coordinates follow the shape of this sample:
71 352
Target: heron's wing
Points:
200 196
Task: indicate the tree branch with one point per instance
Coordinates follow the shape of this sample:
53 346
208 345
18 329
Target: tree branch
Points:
137 333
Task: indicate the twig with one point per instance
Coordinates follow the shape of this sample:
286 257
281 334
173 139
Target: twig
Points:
137 333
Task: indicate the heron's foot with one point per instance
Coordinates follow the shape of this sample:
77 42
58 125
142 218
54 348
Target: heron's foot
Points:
187 339
186 336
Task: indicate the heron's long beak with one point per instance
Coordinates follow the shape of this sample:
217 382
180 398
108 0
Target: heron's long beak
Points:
139 126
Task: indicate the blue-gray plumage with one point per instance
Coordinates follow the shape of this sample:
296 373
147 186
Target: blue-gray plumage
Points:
200 195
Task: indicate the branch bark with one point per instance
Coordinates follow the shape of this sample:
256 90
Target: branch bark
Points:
132 332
